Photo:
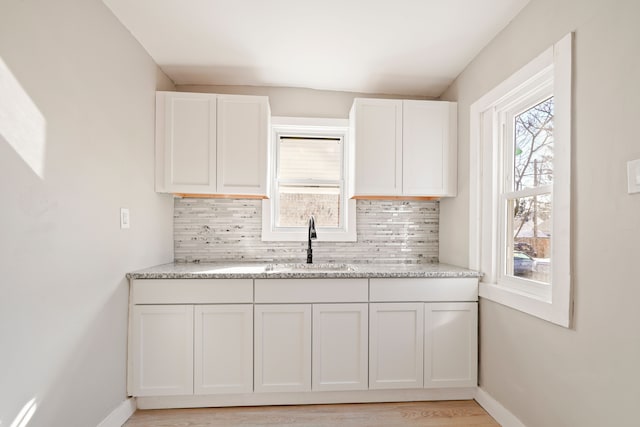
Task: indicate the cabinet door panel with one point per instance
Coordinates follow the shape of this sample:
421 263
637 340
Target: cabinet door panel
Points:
282 347
427 148
162 350
378 147
340 333
396 345
451 346
243 126
223 349
187 141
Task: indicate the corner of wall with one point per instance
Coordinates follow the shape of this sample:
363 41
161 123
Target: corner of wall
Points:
501 414
120 414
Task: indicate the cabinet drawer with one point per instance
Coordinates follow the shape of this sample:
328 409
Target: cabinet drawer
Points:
191 291
427 290
311 290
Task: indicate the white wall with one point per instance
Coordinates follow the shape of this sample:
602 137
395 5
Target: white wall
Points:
297 102
544 374
76 144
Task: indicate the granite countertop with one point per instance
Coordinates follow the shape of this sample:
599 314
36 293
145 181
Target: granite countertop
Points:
299 271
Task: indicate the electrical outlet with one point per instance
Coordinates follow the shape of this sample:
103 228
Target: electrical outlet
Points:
633 176
124 218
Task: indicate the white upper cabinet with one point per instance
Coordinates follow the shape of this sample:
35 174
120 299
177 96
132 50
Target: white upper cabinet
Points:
377 124
404 147
185 142
243 129
429 148
211 144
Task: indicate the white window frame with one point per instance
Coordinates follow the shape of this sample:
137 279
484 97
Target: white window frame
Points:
311 127
550 70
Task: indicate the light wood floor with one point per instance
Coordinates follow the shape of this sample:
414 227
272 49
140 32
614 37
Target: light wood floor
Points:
424 414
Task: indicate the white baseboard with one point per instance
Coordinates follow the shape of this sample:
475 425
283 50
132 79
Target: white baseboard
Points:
501 414
304 398
120 414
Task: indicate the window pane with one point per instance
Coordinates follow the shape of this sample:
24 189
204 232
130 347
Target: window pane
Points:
529 238
533 150
297 203
303 158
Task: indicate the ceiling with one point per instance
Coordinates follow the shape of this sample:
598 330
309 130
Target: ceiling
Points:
402 47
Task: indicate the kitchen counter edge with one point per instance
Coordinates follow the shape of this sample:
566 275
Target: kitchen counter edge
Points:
258 271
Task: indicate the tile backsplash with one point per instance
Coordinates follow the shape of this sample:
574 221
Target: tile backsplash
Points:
388 231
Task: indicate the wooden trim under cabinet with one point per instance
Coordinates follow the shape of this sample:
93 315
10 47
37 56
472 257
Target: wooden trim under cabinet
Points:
421 198
220 196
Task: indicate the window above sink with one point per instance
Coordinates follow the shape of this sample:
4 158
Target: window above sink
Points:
309 175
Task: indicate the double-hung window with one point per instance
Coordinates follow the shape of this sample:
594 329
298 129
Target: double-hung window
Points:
309 177
520 199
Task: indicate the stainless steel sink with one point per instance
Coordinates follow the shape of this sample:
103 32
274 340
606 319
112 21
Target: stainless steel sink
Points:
302 267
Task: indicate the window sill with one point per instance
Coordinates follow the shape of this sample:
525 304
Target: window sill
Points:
520 301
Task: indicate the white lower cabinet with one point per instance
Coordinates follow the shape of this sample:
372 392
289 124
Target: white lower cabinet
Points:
192 349
431 345
340 336
223 359
282 347
162 350
231 342
451 344
285 339
396 345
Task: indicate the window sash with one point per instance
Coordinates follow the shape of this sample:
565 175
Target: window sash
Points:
535 91
532 287
507 114
528 192
310 183
312 139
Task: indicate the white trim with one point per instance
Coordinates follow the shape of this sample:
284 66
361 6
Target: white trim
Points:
528 192
501 414
306 398
120 414
561 226
310 125
485 185
510 297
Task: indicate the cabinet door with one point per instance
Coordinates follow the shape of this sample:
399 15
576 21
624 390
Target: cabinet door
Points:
429 147
378 146
340 333
162 350
223 349
282 347
185 142
396 345
243 129
451 344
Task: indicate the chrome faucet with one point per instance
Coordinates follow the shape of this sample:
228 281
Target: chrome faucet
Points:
312 235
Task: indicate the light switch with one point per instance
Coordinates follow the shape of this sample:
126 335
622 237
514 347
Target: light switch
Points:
633 175
124 218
